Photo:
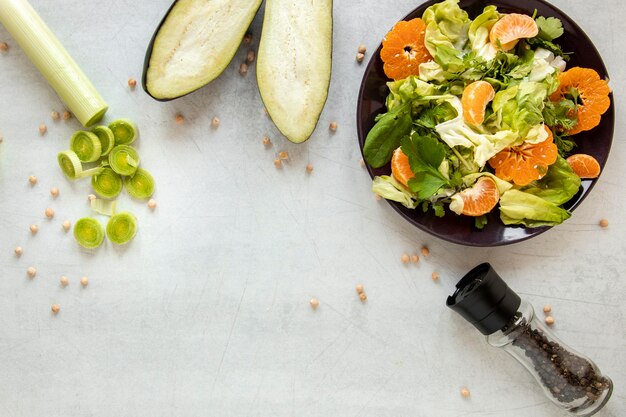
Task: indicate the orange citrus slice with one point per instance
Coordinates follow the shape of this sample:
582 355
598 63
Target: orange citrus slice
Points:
511 28
593 93
525 163
400 167
585 166
404 50
481 198
475 98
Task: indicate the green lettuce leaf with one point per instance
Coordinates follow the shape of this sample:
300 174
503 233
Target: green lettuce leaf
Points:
385 137
558 186
408 89
478 33
518 207
387 187
446 34
520 106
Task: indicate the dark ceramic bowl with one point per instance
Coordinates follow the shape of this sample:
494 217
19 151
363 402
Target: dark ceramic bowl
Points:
460 229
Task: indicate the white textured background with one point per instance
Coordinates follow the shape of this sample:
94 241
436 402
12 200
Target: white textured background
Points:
206 312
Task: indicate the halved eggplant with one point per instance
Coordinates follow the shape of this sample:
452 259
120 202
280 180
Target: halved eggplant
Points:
193 44
294 63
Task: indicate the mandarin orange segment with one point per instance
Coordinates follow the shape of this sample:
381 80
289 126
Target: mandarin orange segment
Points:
404 50
475 98
593 93
527 162
585 166
481 198
511 28
400 167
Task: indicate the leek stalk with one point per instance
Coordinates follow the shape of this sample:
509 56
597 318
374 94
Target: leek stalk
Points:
45 51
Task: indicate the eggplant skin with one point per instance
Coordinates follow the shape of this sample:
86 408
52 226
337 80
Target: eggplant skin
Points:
193 44
294 64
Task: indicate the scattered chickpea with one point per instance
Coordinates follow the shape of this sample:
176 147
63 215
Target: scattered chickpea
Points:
49 213
314 303
55 115
465 393
363 297
31 271
19 251
435 276
267 141
67 225
549 320
405 258
278 163
180 119
84 281
132 83
333 126
91 197
425 251
54 192
215 122
55 308
243 69
64 281
152 204
34 228
283 155
359 288
362 49
32 179
604 223
247 38
250 57
309 168
4 46
360 57
67 115
362 163
415 259
43 129
547 308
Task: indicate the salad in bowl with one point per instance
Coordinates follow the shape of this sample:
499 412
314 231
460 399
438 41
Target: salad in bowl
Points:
483 115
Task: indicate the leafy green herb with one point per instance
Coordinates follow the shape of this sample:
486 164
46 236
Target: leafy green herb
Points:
480 222
385 137
549 28
425 155
431 116
550 46
564 145
560 114
438 208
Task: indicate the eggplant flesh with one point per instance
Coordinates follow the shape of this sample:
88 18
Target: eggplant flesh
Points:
294 63
194 43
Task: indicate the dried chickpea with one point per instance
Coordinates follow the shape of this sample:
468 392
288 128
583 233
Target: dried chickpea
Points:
283 155
363 297
604 223
34 228
405 258
278 163
64 281
309 168
152 204
243 69
55 308
425 251
19 251
43 129
32 180
84 281
360 57
67 115
179 119
31 271
362 49
132 83
549 320
435 276
67 225
4 46
465 393
55 115
333 126
54 192
250 57
547 308
91 197
247 38
49 213
215 122
266 141
359 288
415 259
314 303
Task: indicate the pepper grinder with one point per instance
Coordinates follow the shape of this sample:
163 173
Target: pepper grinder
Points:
570 380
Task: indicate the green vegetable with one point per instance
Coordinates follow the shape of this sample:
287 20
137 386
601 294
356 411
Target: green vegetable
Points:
446 34
480 222
519 107
107 140
425 156
106 207
86 146
45 51
385 137
390 189
518 207
121 228
407 89
88 232
294 64
124 130
140 185
124 159
72 167
558 186
478 33
549 28
107 183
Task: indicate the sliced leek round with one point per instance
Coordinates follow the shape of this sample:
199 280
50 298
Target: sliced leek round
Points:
107 140
124 130
124 160
88 232
86 145
107 183
122 227
140 185
72 167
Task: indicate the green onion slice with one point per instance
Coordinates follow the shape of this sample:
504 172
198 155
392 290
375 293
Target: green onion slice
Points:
72 167
106 207
86 145
140 185
107 183
107 140
121 228
124 159
88 232
124 130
